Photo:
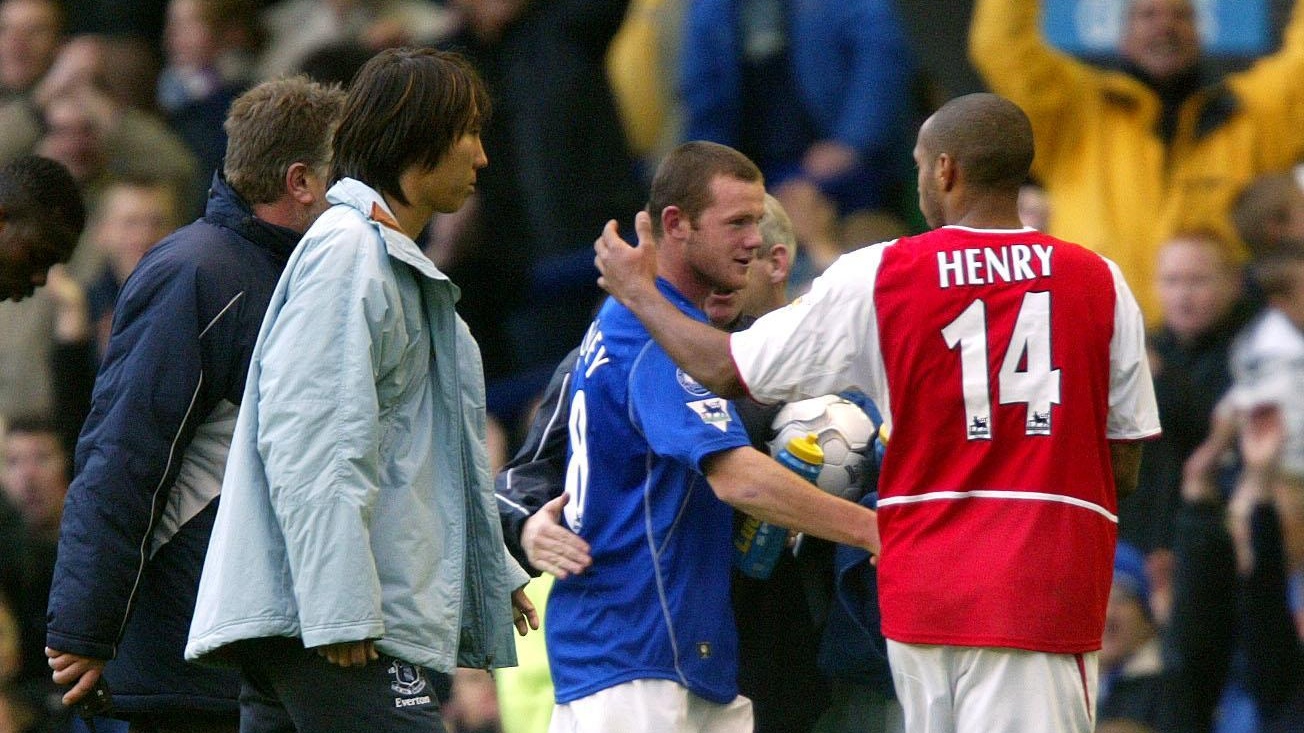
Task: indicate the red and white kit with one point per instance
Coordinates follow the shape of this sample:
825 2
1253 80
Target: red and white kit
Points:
1004 362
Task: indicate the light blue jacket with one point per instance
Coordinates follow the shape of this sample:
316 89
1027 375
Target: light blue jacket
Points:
357 502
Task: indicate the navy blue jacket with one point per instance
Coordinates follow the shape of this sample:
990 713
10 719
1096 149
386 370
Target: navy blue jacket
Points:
150 457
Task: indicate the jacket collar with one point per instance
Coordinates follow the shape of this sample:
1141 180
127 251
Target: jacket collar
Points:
371 205
1216 102
226 208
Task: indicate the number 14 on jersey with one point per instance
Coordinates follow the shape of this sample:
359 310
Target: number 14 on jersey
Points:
1025 375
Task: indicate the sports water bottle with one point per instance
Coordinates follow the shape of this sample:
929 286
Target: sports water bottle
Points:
757 544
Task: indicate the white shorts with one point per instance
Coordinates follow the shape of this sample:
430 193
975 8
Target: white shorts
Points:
956 689
650 706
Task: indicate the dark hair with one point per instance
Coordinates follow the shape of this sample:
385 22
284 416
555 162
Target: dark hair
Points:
683 179
30 424
273 126
35 424
988 137
406 107
41 193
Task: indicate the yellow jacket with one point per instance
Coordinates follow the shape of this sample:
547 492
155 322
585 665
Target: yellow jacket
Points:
1113 184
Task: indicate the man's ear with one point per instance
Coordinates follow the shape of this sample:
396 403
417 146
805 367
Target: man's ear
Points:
296 183
674 222
944 171
780 263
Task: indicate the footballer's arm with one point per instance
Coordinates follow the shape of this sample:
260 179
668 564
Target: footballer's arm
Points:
754 483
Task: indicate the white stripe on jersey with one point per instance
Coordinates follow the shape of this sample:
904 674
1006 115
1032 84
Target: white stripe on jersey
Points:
992 494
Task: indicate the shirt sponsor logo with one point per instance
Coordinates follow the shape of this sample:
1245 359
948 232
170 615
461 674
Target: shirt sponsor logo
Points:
690 385
714 412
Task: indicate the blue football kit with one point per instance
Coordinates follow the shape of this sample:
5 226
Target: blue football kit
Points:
655 602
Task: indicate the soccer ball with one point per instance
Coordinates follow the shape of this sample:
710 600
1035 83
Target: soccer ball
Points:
845 433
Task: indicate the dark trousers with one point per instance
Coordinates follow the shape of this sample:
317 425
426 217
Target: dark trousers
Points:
285 688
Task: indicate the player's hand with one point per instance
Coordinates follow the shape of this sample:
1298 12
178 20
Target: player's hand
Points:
550 546
73 669
627 271
349 653
523 613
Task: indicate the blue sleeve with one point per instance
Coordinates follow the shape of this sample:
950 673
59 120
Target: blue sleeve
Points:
679 418
155 387
709 72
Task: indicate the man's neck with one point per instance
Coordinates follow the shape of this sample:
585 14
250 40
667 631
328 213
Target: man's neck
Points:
282 212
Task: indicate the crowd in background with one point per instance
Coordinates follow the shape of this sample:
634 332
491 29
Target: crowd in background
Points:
1185 180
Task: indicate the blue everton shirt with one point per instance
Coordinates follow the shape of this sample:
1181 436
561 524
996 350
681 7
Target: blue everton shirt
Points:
655 602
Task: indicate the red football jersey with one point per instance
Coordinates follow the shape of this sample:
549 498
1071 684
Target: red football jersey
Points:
1005 361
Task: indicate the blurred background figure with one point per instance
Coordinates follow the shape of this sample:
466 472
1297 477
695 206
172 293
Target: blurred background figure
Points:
1132 682
30 34
209 47
134 213
820 96
34 478
1203 307
559 168
295 29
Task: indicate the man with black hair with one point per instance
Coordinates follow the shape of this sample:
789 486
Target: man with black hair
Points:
41 217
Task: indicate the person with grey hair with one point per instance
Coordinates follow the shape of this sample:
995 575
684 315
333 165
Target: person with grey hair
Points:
152 454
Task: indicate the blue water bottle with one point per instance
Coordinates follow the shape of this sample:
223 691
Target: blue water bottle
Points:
757 544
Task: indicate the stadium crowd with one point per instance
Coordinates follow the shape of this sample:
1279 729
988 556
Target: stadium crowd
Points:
1181 167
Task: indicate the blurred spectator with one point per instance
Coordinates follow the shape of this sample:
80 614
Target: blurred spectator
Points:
30 33
1269 215
134 213
336 63
1267 358
297 28
121 67
1132 156
34 478
1202 302
1132 682
641 65
819 95
208 49
97 138
1234 558
559 168
135 144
